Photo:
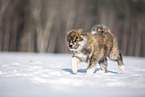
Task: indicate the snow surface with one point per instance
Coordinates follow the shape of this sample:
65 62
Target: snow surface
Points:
50 75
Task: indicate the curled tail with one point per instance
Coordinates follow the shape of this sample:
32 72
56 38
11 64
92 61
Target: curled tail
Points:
100 28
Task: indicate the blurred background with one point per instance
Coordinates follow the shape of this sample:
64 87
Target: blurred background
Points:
41 25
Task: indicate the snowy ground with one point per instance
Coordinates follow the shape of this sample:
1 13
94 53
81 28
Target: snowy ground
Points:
50 75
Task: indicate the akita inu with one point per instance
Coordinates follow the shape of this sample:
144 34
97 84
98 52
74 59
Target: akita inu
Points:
92 48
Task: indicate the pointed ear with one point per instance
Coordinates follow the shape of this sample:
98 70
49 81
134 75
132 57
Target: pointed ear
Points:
70 31
83 32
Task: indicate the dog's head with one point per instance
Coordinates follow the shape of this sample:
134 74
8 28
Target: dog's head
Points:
76 39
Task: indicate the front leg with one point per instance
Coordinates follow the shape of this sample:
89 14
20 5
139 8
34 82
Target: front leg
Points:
74 64
91 69
91 65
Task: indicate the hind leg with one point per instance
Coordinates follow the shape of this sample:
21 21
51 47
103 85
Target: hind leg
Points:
116 55
103 65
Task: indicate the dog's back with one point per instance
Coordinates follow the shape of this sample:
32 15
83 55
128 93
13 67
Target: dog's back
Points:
104 42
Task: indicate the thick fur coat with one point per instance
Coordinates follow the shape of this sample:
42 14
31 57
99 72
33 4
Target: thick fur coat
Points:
93 47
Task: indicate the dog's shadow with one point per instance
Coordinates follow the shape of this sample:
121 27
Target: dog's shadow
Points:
85 70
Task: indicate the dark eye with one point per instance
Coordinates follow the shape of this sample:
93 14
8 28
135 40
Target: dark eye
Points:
68 38
76 38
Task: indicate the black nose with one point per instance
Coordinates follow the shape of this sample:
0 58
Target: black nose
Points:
70 46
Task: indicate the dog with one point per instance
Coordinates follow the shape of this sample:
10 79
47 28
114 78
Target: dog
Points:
93 47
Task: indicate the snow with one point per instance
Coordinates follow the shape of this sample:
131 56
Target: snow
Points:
50 75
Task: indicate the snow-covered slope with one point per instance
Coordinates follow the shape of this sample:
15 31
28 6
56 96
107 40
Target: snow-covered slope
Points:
50 75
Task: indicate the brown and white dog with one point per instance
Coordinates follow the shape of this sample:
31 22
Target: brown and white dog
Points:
92 48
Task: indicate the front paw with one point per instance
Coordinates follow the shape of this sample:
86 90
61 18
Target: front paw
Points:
100 72
74 70
90 72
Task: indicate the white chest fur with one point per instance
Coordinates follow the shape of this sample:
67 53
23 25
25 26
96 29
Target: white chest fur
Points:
82 56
